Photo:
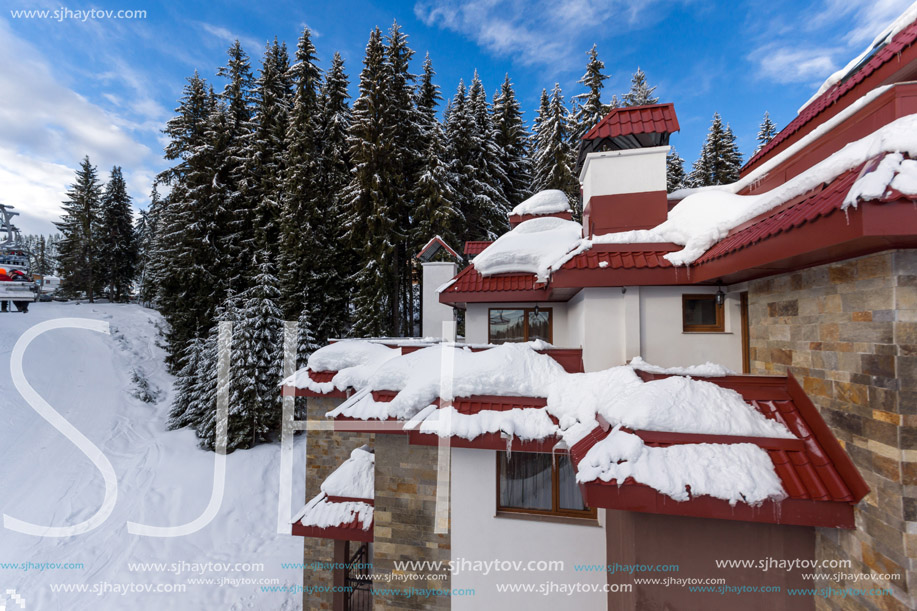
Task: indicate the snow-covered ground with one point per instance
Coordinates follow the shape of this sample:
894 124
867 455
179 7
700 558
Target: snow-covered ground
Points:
163 480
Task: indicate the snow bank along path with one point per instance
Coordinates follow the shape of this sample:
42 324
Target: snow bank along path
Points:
163 478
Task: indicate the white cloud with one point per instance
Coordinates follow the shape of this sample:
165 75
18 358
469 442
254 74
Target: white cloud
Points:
543 32
794 51
49 128
795 65
226 36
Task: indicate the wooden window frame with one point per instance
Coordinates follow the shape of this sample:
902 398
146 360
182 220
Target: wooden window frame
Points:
589 513
525 323
719 327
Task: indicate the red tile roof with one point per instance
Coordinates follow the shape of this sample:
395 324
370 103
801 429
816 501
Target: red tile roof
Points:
433 246
819 478
625 258
821 203
476 247
654 118
342 532
903 39
469 280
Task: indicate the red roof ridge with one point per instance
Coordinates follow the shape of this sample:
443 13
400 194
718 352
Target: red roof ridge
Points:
903 39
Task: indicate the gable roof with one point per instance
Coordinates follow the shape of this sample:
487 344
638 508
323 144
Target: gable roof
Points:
432 247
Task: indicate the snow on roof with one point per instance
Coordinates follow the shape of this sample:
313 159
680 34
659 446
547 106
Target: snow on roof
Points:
904 19
707 215
549 201
322 513
354 479
531 247
733 472
574 405
506 370
706 370
352 359
674 404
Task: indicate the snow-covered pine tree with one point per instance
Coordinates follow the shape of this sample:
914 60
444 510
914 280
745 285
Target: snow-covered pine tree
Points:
588 107
117 247
720 160
492 203
79 227
675 177
264 167
428 94
405 127
145 237
331 308
302 251
254 408
236 246
640 92
201 415
513 142
187 385
552 146
766 132
436 209
369 222
189 262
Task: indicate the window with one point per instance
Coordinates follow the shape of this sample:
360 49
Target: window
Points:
543 484
519 325
701 314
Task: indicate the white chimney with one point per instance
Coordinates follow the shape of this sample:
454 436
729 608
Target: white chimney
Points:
435 275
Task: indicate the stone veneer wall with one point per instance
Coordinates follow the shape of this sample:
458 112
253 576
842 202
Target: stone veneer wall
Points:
404 514
848 332
325 451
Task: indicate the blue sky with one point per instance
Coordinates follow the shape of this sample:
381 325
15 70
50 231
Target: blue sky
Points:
105 87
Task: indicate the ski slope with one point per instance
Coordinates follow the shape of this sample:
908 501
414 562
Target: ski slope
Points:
163 480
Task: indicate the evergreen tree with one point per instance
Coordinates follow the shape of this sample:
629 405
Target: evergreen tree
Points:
188 265
302 252
187 402
435 193
552 146
640 92
79 227
264 164
405 127
331 306
117 248
675 177
145 238
236 242
428 95
720 160
512 140
202 412
254 409
588 107
766 132
492 204
369 222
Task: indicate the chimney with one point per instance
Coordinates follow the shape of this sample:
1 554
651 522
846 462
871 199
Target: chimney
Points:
436 273
623 169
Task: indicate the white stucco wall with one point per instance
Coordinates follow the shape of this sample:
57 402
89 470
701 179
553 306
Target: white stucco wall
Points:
664 343
436 274
478 535
612 325
629 171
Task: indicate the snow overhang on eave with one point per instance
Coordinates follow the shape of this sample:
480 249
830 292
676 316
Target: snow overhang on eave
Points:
813 465
833 236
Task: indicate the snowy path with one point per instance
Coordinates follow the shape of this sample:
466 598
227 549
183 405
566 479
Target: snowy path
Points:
163 479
